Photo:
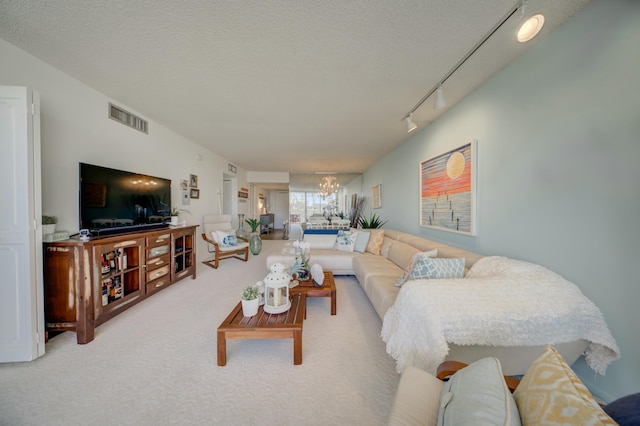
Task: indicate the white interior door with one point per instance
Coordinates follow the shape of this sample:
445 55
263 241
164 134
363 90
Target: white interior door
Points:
226 193
21 289
281 212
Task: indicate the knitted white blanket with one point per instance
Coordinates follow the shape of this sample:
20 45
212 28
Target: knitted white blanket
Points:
501 302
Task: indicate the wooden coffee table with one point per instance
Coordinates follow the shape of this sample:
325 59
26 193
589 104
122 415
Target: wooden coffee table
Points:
328 289
264 326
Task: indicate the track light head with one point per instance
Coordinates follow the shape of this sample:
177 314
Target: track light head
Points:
440 102
530 28
411 126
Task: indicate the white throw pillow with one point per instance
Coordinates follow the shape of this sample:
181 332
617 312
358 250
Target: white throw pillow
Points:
362 239
407 271
345 240
225 239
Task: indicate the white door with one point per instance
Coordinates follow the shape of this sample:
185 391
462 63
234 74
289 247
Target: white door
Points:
226 194
281 212
21 290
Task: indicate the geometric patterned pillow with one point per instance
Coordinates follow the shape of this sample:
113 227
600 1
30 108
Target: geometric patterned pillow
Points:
434 268
407 271
375 241
550 393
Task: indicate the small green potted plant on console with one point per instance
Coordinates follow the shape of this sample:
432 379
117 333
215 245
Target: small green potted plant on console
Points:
250 300
175 212
49 224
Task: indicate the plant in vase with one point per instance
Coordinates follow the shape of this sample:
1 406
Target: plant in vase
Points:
255 242
49 224
175 212
301 265
373 222
250 300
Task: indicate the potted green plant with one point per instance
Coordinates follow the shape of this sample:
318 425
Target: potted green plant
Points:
175 212
373 222
255 242
250 300
49 224
253 223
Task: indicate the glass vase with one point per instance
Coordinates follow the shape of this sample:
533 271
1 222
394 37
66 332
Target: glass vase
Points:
255 243
241 233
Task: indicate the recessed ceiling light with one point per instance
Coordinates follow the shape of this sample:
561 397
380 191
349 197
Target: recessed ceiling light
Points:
530 28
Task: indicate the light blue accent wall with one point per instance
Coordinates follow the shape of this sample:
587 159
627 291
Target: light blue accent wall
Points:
558 183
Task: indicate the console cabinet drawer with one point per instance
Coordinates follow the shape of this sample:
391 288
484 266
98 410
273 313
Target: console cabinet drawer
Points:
157 284
158 273
157 262
153 252
158 240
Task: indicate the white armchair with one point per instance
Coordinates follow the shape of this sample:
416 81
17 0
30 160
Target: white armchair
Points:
222 222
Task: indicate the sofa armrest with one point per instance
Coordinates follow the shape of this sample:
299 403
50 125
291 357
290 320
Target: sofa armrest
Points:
417 399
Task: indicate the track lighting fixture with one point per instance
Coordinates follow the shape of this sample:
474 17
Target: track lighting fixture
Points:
440 102
411 126
530 28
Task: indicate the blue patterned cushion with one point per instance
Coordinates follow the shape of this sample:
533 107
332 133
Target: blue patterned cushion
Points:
405 275
225 239
345 240
434 268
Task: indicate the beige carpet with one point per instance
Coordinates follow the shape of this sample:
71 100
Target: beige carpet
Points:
155 364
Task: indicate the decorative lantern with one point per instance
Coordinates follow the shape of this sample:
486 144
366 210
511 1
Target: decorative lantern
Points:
276 290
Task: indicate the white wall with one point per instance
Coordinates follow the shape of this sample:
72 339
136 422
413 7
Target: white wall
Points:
558 149
75 128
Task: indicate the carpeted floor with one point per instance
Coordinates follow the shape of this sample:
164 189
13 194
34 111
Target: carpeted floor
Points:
155 364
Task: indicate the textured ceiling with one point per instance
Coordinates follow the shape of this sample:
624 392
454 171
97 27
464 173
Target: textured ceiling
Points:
278 85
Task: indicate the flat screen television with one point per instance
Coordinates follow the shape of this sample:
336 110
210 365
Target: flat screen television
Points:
114 201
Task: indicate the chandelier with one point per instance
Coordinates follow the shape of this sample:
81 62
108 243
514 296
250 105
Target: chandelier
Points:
328 186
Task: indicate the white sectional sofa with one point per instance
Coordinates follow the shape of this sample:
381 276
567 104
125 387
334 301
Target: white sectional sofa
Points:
377 274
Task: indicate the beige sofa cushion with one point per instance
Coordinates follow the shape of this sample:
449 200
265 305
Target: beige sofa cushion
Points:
417 399
368 265
401 254
320 241
339 262
382 292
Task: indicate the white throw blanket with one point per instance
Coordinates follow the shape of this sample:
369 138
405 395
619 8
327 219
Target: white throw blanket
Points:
501 302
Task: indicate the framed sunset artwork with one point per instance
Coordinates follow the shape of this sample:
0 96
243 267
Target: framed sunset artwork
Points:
447 190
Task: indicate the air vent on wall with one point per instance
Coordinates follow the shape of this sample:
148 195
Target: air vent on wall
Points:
125 117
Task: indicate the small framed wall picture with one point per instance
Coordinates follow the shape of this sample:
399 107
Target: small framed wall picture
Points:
193 181
195 193
184 184
376 199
